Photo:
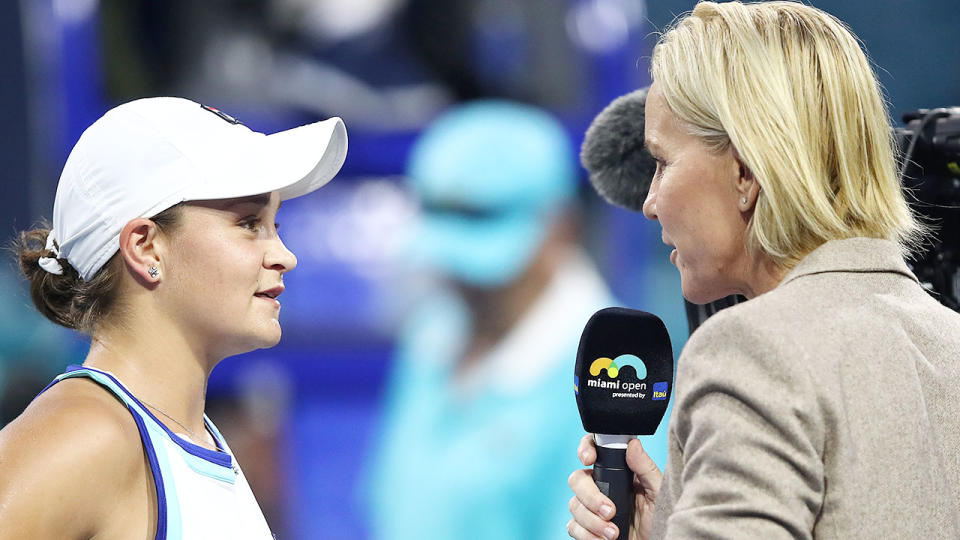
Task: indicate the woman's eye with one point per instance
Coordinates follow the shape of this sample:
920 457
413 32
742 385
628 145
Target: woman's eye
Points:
251 224
660 166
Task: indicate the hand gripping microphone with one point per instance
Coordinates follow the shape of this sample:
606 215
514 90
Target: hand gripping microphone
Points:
623 380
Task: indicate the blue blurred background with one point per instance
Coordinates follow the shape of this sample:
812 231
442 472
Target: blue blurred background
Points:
301 416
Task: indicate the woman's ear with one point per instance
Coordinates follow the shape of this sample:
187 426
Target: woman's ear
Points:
141 248
748 189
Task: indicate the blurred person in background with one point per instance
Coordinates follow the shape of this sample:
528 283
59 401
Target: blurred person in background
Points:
164 250
827 404
480 411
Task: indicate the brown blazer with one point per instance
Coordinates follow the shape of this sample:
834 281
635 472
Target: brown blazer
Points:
826 408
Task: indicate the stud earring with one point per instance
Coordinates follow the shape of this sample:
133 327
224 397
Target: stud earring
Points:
153 271
743 200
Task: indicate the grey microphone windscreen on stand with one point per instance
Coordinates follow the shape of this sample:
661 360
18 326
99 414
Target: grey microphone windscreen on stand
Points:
613 153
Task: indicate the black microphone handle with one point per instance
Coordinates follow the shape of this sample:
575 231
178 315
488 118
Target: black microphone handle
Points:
615 480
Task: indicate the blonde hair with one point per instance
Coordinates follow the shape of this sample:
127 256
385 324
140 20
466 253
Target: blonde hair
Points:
790 87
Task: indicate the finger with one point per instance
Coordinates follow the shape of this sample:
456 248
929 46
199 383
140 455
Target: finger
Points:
587 451
591 522
578 532
575 530
643 466
585 490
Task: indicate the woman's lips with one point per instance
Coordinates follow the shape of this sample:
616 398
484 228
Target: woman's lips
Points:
274 301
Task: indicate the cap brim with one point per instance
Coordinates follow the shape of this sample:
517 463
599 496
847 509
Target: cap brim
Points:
299 147
294 162
486 254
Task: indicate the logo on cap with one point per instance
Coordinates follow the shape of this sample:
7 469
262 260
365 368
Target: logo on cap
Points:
659 391
221 114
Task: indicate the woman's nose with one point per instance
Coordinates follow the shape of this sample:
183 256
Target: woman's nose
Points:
280 258
650 204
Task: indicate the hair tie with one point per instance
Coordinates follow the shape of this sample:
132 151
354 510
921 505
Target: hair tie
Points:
51 264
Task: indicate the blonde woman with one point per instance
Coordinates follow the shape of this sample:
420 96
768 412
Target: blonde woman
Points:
164 250
828 405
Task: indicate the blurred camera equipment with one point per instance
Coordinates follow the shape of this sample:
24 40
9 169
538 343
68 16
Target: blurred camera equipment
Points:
930 171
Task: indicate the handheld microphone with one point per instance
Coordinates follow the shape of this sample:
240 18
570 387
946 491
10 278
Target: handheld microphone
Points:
623 380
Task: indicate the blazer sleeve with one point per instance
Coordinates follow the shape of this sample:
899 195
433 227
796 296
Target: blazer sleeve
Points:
750 436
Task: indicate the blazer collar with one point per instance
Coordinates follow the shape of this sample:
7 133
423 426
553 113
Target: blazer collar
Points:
852 255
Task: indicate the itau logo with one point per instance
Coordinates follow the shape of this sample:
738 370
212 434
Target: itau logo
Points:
659 391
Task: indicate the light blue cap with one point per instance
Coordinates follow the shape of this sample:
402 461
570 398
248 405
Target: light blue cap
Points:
490 175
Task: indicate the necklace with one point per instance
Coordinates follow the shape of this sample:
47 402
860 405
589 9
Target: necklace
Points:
193 435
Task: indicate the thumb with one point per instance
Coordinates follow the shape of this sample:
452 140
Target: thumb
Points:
648 474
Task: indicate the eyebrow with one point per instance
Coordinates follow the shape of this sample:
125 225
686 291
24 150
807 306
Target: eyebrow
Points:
259 200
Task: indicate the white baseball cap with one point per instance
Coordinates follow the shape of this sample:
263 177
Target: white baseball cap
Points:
145 156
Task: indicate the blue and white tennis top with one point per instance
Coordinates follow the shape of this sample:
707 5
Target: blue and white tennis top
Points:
201 494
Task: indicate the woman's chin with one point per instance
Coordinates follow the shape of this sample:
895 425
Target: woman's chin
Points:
697 293
264 337
271 339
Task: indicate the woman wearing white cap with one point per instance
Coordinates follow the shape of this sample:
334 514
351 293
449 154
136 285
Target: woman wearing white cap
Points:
164 249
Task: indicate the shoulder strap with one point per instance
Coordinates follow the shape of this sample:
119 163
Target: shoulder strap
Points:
105 380
168 524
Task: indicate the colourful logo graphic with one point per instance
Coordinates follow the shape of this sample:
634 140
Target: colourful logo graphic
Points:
614 366
576 385
659 391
